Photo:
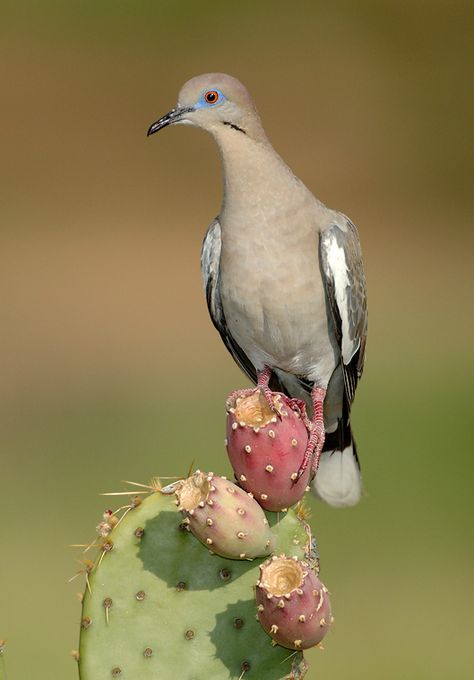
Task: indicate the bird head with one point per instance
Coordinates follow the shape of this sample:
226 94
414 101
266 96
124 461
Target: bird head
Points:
214 102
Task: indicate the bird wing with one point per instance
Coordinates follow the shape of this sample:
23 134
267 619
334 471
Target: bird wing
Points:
344 280
210 257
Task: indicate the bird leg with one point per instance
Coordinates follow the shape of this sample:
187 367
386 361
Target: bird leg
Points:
263 379
317 433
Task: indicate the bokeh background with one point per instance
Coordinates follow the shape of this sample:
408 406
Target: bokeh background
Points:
110 368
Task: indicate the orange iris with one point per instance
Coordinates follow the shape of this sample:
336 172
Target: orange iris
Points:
211 97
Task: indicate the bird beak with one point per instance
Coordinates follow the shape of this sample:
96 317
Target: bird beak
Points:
173 116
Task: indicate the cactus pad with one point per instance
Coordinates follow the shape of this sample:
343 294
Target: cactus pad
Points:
159 605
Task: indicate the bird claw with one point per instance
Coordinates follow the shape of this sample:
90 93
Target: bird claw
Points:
313 451
302 469
268 394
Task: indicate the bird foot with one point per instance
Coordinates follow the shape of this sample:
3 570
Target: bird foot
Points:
263 385
313 450
316 433
269 397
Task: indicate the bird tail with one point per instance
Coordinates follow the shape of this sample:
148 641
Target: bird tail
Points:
338 480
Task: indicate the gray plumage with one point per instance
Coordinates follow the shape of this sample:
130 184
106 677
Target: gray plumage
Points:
283 275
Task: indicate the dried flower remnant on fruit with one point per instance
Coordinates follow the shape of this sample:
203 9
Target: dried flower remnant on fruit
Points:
193 490
254 410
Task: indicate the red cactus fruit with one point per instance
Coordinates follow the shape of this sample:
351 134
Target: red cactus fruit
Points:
225 518
266 447
293 605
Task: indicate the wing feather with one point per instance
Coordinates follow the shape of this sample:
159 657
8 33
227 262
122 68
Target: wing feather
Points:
343 275
210 257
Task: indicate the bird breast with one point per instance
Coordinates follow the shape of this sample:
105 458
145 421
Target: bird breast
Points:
271 289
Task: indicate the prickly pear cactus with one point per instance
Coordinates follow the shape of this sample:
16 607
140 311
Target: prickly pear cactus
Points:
158 604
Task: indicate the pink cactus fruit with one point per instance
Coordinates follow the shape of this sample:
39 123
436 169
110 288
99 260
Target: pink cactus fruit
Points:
224 517
293 605
266 447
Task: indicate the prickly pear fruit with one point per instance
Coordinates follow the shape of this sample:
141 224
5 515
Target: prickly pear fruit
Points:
224 517
158 605
266 447
293 605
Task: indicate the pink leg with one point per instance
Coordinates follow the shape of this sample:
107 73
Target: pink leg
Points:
263 378
262 383
316 438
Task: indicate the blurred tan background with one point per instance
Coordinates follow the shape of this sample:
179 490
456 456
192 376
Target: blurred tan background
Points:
110 368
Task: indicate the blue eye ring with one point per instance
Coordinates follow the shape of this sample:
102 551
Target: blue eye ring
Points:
211 97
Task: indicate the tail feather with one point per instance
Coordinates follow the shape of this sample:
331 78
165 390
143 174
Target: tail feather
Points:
338 480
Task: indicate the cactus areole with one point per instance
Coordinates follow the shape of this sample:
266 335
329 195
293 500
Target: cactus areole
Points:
292 604
224 517
266 446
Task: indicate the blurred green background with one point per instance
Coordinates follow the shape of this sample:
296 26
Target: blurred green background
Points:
110 367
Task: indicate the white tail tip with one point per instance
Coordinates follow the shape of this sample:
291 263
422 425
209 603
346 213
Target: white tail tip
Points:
338 480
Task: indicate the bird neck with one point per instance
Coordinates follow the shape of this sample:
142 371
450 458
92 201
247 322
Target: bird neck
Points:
254 175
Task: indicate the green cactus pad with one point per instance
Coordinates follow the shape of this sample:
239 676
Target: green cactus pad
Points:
160 605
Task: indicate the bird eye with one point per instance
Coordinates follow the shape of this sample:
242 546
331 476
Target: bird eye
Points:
211 97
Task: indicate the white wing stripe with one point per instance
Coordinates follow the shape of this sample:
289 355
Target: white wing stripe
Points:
336 259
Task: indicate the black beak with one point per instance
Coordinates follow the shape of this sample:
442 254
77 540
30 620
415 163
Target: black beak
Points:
174 116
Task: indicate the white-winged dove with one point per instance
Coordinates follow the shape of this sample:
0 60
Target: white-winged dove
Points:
284 279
